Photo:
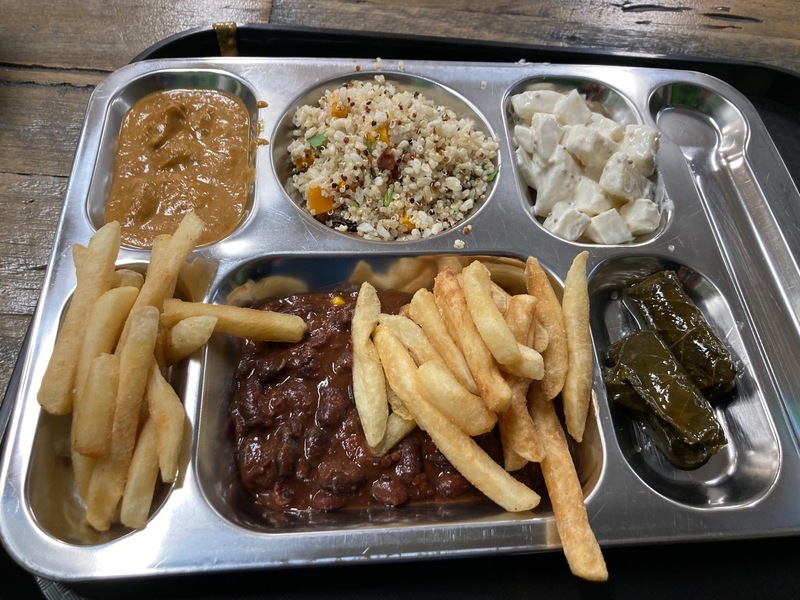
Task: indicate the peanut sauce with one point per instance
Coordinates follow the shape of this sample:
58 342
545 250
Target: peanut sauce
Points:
179 151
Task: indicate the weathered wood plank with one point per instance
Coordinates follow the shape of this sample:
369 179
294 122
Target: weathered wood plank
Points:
104 35
765 32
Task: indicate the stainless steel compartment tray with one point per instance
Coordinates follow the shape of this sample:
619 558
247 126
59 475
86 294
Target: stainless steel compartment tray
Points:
732 223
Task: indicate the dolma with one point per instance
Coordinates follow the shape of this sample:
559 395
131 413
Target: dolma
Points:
679 453
669 311
648 379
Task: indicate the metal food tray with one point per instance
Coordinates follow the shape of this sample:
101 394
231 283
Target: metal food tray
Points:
729 227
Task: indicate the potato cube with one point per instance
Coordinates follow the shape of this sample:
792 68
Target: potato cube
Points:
641 216
608 228
590 147
547 132
566 222
589 198
572 109
558 184
641 144
525 138
531 167
622 179
527 103
607 127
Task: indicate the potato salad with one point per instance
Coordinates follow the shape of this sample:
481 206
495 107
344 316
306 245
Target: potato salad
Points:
592 175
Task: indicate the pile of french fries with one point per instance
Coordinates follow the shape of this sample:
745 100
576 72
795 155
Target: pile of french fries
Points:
120 335
483 343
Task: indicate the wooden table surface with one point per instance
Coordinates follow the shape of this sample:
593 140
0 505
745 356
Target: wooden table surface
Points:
54 52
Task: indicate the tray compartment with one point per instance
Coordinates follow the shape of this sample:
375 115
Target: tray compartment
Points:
433 91
601 98
745 469
56 505
127 95
215 465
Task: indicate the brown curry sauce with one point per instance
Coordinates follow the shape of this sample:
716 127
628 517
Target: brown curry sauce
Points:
181 150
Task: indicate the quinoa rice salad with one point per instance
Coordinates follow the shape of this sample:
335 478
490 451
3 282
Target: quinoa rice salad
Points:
388 164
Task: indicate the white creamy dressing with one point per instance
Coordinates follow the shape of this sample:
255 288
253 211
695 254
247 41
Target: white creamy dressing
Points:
592 176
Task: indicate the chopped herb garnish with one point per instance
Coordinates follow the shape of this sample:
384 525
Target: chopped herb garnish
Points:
387 199
492 176
369 145
318 140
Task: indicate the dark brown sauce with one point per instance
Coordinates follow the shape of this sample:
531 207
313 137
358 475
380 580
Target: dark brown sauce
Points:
299 442
180 151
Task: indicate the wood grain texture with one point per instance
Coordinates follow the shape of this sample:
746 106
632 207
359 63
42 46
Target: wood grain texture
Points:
106 34
765 32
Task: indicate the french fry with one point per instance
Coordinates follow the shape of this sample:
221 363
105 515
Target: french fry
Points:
449 260
82 469
583 553
369 383
141 479
93 413
397 428
128 278
453 307
188 335
397 409
423 279
459 448
250 323
362 272
422 310
530 364
443 390
550 315
95 275
412 337
500 297
578 384
538 337
102 330
276 286
135 358
402 274
166 260
168 417
494 331
518 433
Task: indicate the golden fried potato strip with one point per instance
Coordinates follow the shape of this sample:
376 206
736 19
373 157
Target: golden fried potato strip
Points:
460 449
135 359
577 391
452 305
95 276
250 323
423 311
583 553
369 382
550 315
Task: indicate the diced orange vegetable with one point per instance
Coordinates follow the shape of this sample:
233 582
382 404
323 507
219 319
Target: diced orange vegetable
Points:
337 301
301 164
406 222
338 109
318 202
383 132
